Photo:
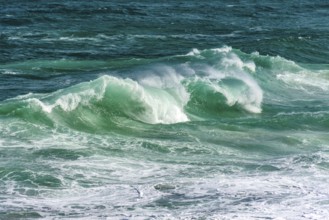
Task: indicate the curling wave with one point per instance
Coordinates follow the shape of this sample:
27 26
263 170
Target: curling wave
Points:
210 83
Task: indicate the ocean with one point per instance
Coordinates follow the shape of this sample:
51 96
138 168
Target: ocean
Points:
164 109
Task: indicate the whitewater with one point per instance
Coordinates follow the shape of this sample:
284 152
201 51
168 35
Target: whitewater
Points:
143 110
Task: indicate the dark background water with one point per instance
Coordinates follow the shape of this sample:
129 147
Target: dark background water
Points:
296 30
106 30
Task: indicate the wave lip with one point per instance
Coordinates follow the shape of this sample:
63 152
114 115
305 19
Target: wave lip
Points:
143 103
224 73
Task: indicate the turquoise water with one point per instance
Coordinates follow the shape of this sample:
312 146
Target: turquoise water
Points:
164 110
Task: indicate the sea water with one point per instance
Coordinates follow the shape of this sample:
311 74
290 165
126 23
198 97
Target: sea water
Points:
164 109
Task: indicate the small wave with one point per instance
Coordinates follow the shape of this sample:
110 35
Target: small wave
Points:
306 80
228 76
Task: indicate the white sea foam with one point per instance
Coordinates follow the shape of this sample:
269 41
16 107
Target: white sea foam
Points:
224 49
139 177
305 80
194 52
167 78
131 188
9 72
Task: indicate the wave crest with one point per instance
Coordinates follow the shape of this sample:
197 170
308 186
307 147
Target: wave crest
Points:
208 82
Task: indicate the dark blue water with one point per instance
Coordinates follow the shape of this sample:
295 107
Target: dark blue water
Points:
164 110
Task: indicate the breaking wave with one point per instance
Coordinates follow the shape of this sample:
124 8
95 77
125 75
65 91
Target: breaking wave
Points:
196 86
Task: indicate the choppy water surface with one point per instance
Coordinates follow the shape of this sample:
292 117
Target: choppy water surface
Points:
164 110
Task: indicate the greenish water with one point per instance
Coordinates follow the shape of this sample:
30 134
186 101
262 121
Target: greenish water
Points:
166 110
